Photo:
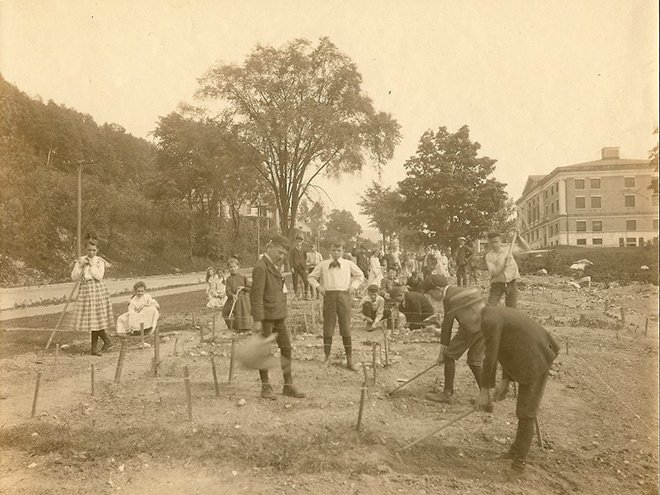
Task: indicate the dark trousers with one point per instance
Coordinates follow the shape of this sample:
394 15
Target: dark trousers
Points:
336 306
461 275
104 338
510 291
302 273
527 408
283 342
369 311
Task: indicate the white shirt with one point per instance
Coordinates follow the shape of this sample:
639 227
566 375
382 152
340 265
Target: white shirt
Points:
139 302
95 269
314 258
347 276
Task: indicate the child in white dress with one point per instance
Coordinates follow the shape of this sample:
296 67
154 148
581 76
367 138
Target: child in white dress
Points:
217 290
142 309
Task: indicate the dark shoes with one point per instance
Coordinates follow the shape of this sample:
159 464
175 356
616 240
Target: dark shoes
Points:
267 392
290 390
442 397
95 353
349 364
106 346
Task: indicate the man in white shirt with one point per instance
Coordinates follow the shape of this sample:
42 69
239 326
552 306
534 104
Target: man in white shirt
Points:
336 279
503 269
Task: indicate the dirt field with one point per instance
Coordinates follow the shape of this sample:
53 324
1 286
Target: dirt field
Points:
598 418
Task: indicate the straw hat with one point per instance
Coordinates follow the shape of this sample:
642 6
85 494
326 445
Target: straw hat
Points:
457 298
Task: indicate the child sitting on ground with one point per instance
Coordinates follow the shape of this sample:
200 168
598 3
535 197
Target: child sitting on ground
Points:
237 308
216 291
142 311
373 308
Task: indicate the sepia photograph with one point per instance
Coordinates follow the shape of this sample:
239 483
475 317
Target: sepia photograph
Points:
329 247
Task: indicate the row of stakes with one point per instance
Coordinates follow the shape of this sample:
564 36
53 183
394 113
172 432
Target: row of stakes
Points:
377 349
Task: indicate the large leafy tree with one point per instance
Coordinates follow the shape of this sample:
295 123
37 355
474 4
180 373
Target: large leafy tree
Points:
449 191
302 110
341 226
382 205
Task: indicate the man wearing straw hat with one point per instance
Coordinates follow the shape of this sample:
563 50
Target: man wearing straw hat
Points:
468 337
526 352
503 268
268 304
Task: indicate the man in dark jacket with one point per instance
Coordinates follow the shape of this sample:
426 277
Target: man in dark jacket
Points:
463 253
415 306
526 352
268 303
298 264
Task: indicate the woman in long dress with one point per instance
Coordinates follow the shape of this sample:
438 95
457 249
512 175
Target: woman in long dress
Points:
375 270
142 314
237 312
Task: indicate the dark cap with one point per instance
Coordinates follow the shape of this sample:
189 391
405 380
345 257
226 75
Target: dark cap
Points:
459 297
434 281
372 288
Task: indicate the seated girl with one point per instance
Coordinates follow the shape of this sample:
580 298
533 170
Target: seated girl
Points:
142 310
216 291
237 313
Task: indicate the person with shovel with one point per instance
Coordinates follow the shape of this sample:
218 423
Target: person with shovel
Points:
269 312
526 352
468 338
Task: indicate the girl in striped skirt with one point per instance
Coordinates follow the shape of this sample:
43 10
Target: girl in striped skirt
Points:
93 311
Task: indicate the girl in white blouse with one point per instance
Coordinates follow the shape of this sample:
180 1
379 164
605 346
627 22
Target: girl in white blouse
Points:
142 312
93 312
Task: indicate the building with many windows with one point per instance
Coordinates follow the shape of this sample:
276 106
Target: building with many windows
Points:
609 202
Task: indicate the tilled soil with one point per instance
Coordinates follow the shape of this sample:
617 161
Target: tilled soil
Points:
598 418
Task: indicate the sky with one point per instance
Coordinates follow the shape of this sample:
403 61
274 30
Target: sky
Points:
541 84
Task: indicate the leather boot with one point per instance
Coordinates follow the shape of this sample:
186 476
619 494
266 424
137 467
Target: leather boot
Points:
267 392
349 363
290 390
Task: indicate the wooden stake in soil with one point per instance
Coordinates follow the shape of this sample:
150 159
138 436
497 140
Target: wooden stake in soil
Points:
231 360
93 381
120 361
186 382
36 395
142 334
646 326
539 436
386 348
366 378
216 388
363 393
373 360
57 352
213 328
156 350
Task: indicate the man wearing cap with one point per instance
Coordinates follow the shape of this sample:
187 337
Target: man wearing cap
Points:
526 352
335 279
468 337
462 254
298 264
373 308
268 305
503 269
415 306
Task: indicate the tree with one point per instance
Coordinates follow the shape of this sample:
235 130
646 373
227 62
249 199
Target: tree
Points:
341 226
448 191
383 207
302 110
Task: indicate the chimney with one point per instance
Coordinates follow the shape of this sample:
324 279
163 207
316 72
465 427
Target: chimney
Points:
610 153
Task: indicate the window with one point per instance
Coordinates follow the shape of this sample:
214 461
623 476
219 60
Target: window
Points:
552 208
597 226
630 200
580 201
640 242
595 183
579 184
595 201
581 226
545 194
631 224
597 242
628 182
581 242
557 206
631 242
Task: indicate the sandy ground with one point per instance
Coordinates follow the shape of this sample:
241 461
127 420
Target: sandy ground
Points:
598 418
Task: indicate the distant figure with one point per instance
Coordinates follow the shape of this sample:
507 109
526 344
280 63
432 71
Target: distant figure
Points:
361 260
463 254
298 264
375 270
442 265
373 308
142 312
428 263
93 311
216 292
236 311
473 268
415 306
313 259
